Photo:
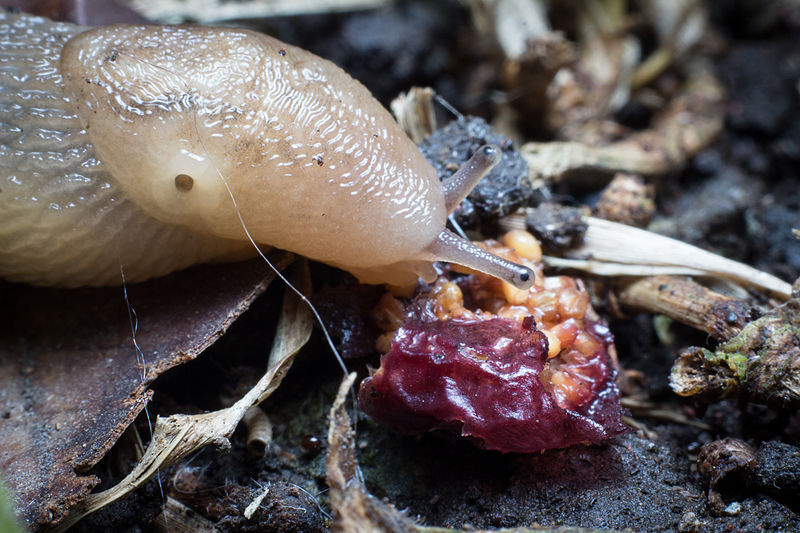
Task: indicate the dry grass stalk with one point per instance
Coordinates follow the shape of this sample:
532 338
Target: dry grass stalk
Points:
510 22
415 113
667 413
354 509
680 25
612 249
689 123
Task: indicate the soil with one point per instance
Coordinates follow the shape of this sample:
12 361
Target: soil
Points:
739 197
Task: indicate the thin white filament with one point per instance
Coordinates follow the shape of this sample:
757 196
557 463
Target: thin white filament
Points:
277 272
133 319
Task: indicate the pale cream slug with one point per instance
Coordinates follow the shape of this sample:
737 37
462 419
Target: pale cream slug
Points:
143 145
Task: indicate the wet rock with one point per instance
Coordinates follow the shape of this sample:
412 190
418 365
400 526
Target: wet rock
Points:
506 188
558 227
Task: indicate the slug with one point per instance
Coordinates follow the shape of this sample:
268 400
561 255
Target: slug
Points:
157 147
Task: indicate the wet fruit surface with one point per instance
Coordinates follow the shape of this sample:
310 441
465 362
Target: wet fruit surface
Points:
515 371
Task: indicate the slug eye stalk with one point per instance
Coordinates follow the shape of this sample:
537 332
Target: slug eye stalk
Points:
459 185
450 247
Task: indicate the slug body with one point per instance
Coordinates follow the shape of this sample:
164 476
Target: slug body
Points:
157 147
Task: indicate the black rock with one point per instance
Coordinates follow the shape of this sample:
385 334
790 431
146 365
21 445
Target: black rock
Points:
505 189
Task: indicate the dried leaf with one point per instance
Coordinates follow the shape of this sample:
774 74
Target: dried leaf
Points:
70 379
177 436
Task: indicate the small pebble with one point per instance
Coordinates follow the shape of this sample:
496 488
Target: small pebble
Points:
733 509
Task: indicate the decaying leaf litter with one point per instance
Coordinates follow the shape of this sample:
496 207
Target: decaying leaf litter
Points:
670 84
61 417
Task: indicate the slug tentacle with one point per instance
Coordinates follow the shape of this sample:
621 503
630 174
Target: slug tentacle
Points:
450 247
460 184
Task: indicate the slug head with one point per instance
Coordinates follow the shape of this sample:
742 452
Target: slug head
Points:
181 114
146 101
451 248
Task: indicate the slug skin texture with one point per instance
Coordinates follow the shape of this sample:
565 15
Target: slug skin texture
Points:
154 147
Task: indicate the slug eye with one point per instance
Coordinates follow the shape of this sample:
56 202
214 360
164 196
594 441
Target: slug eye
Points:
524 277
184 182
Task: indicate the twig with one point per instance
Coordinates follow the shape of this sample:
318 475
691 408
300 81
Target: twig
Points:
689 123
688 302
